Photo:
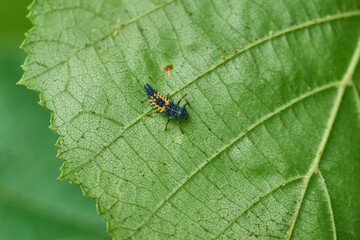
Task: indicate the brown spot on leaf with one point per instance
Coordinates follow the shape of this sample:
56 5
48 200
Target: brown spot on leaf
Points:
168 69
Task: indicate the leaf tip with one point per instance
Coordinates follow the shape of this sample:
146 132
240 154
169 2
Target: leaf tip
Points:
52 128
30 5
30 8
20 82
42 103
23 44
22 79
57 144
61 177
62 174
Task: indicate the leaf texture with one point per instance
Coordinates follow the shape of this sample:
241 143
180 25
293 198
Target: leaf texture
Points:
271 147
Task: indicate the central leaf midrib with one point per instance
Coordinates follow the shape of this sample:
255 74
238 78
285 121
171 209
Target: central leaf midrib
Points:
347 79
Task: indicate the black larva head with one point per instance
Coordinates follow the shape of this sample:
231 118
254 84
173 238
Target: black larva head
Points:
182 113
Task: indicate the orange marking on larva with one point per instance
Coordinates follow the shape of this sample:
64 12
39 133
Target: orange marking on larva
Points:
164 99
158 107
159 96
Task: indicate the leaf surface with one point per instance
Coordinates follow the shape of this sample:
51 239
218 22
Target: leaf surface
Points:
270 149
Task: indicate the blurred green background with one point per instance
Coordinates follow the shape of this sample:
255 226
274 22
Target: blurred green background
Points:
33 203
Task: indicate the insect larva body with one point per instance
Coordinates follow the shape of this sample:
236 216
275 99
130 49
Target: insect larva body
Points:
165 106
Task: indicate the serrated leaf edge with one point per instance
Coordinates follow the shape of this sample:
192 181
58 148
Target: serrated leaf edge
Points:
341 88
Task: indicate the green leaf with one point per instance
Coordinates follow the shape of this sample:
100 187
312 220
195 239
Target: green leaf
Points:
270 149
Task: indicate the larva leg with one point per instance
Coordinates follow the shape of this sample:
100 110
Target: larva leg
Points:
153 113
182 98
180 127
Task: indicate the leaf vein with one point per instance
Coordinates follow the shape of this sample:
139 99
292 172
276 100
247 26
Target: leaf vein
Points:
254 202
257 123
329 203
86 45
315 164
267 38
